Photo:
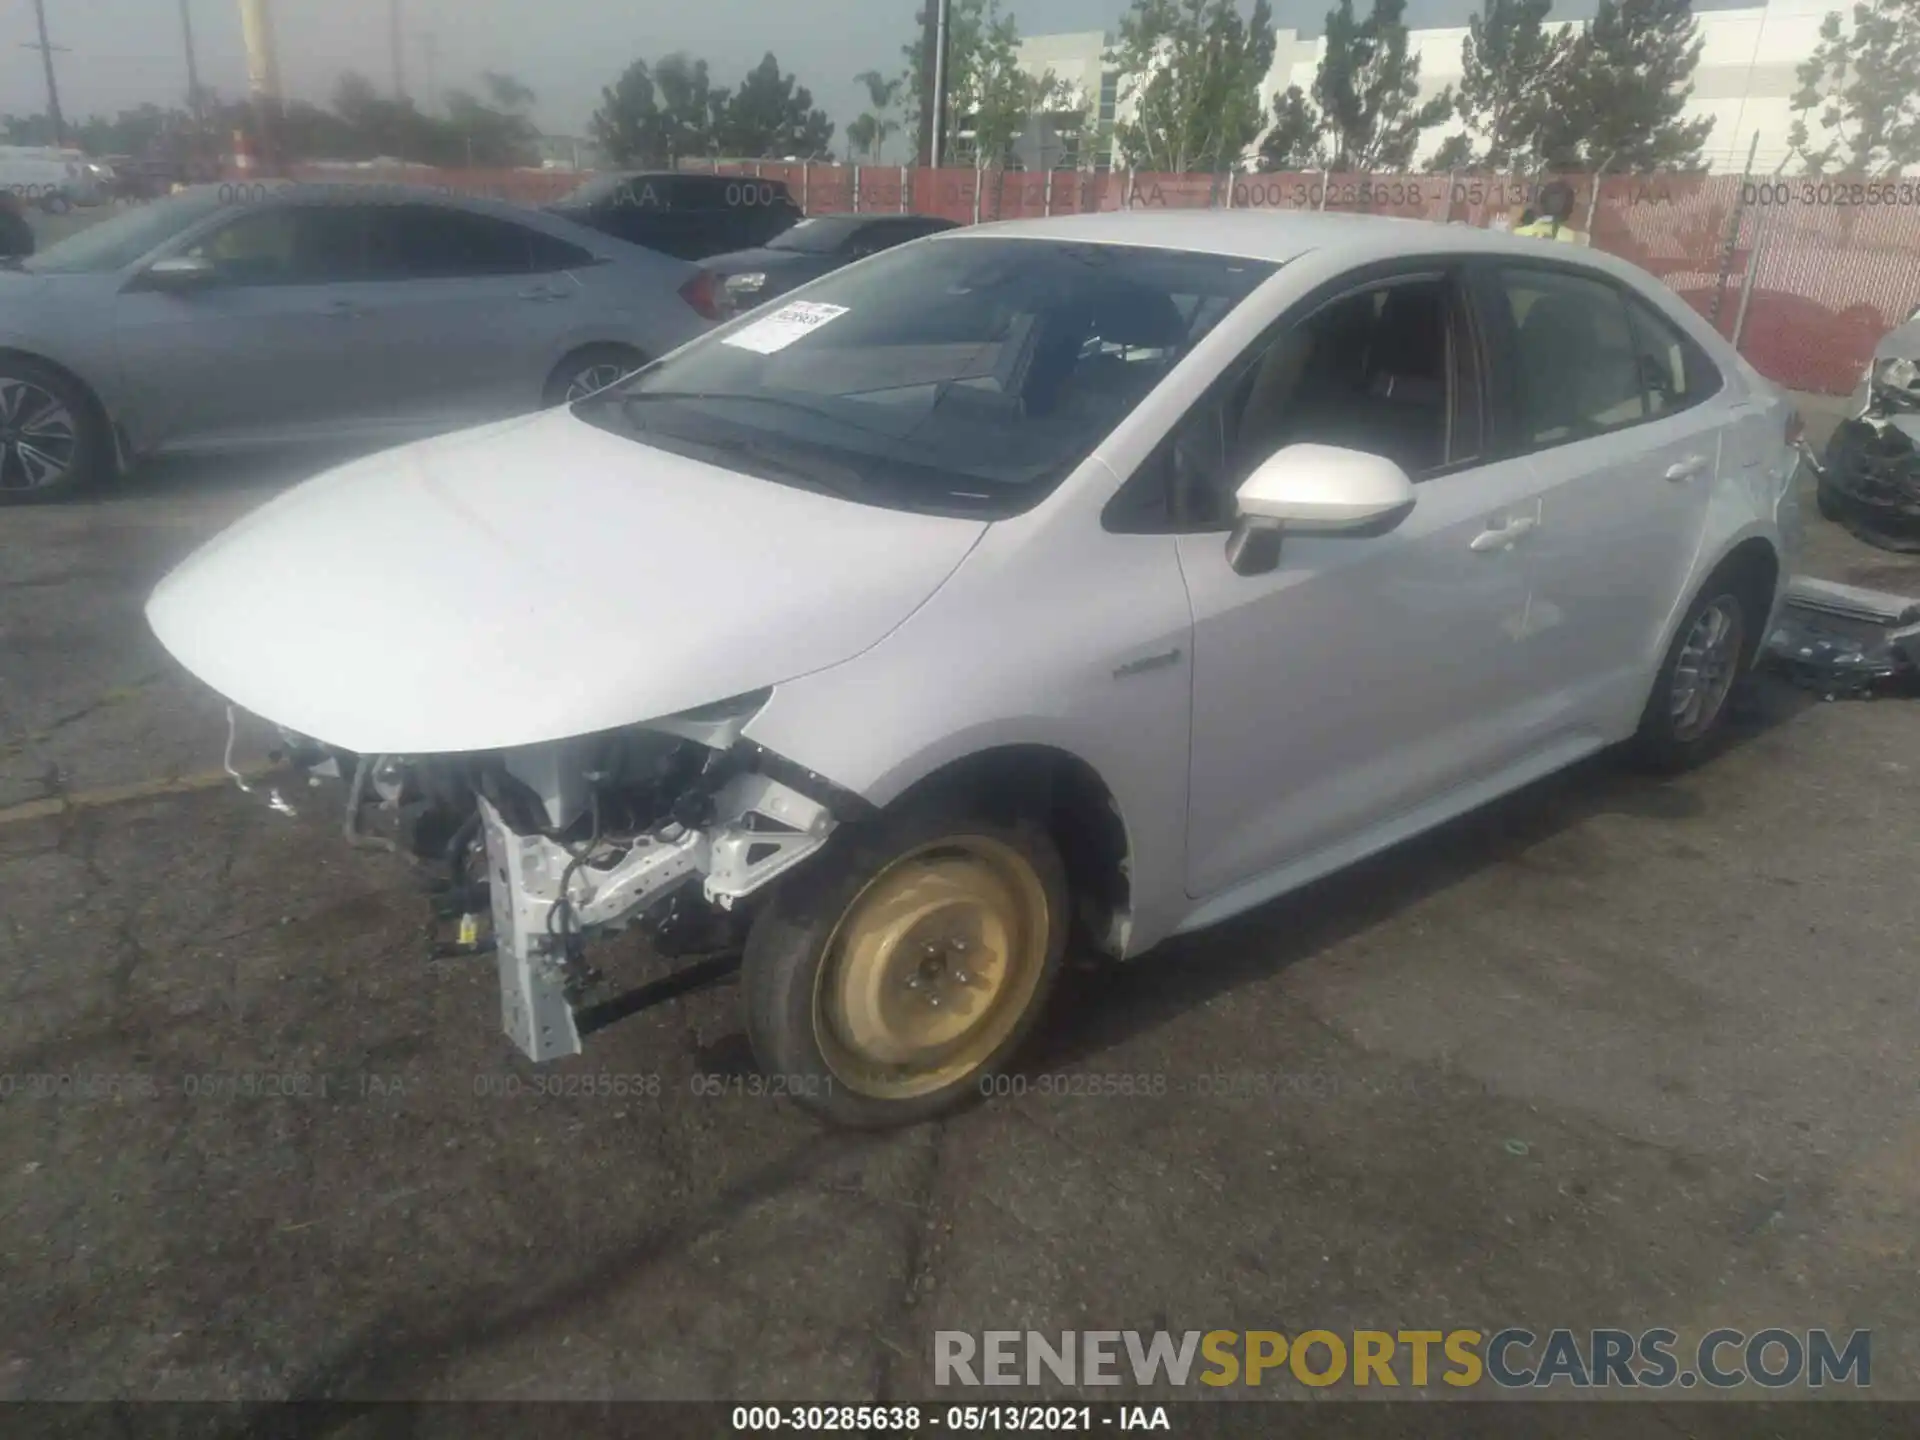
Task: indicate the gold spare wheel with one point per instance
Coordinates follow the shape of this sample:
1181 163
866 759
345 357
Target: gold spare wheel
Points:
931 967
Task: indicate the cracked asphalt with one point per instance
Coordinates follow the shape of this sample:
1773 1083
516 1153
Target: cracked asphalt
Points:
1614 1053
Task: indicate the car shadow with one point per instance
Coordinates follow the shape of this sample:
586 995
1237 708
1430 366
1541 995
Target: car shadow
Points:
1102 1003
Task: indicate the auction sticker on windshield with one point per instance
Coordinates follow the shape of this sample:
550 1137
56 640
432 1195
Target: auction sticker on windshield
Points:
784 326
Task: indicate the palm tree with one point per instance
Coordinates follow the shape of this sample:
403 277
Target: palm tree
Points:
871 130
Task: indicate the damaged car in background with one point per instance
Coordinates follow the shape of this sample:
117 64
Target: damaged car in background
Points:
1869 480
1086 581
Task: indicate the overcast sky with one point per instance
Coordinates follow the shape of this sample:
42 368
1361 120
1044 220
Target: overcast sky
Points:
123 52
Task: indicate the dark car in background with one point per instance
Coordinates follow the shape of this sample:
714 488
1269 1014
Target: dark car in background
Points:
689 217
810 249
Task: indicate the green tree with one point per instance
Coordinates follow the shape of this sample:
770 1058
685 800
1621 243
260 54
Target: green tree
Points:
494 131
1365 112
1625 85
659 114
627 125
1293 143
771 115
868 133
1191 72
1511 70
1863 85
1455 153
1001 101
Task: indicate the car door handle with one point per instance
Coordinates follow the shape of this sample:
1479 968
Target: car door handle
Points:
1503 537
1688 468
340 309
540 293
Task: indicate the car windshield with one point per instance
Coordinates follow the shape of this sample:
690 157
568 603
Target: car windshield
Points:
968 376
116 243
817 237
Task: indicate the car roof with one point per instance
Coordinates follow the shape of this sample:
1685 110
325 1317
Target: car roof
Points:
1284 235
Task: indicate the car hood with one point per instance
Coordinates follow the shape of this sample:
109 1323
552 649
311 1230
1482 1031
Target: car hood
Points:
534 580
1901 342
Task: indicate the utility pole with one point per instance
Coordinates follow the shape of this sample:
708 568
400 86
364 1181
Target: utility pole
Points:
394 34
193 64
933 75
263 78
46 49
940 42
430 53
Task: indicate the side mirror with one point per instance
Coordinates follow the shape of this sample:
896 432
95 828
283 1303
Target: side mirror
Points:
1315 489
180 272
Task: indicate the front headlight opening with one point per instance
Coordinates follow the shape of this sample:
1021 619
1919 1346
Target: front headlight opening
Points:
1897 372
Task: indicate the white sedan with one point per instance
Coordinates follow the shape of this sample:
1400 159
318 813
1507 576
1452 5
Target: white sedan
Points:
1085 580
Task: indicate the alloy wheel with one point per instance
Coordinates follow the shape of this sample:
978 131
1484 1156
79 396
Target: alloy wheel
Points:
594 377
1704 674
39 438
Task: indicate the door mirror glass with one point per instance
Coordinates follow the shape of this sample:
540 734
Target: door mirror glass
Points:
181 272
1316 489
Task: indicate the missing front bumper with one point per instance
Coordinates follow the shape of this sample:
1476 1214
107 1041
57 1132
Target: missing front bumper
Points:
547 898
549 891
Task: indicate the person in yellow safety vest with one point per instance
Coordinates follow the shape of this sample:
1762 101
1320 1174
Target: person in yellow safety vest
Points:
1555 212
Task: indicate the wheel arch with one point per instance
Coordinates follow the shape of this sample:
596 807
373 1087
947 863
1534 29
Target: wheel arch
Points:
1755 559
575 348
85 386
103 416
1066 793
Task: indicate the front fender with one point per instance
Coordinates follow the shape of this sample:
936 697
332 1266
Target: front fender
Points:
1025 645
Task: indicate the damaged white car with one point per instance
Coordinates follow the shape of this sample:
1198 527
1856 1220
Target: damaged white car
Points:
1869 480
1087 580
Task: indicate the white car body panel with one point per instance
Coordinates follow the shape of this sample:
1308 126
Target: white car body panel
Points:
471 593
546 579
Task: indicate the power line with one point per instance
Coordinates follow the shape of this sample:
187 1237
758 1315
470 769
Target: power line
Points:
46 49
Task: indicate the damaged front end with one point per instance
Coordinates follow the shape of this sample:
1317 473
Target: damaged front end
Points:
1870 478
667 826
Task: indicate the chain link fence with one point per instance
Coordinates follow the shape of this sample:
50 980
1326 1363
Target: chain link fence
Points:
1803 274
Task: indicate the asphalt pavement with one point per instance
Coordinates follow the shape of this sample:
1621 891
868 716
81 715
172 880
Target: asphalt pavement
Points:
1614 1053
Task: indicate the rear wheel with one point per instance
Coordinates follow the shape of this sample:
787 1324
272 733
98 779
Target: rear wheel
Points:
1686 715
891 981
589 369
52 441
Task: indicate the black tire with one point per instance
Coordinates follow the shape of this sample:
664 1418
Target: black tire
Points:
794 952
583 362
89 454
1668 742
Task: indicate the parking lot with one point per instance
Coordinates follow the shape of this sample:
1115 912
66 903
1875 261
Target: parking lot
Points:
1617 1053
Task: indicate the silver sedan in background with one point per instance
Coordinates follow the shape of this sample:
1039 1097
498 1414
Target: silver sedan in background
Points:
227 315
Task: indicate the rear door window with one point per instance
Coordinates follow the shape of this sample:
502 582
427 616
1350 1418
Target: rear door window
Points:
1675 371
431 242
1579 365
